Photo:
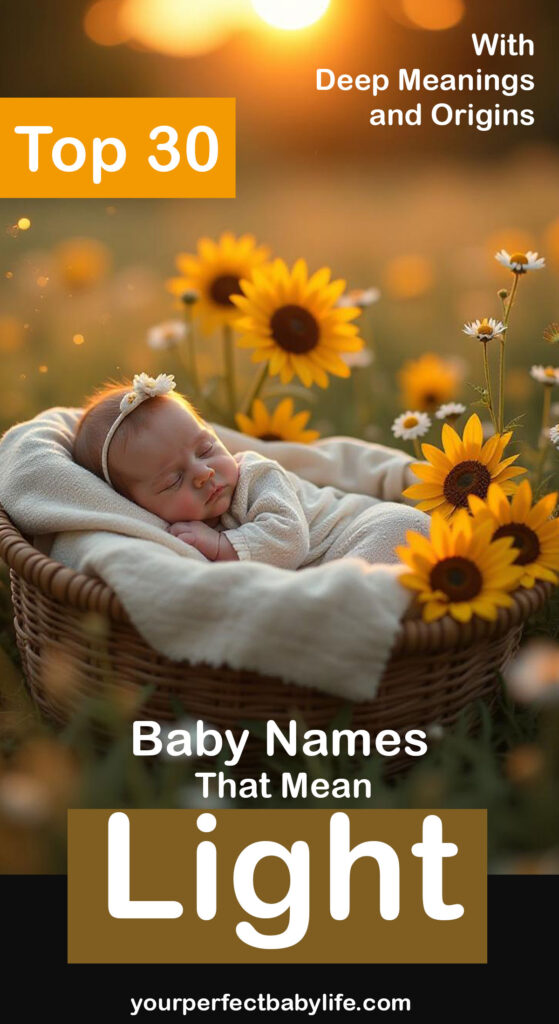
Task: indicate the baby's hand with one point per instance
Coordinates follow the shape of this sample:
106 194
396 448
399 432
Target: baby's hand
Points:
199 535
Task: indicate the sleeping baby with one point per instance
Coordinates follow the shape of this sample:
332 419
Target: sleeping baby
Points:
151 446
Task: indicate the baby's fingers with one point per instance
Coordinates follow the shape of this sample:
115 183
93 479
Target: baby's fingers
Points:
177 528
187 538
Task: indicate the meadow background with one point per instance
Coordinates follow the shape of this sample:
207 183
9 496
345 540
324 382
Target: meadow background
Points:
418 215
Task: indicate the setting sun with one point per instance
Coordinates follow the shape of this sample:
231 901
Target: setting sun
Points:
290 14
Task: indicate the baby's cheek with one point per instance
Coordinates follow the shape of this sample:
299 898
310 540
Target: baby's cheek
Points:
188 509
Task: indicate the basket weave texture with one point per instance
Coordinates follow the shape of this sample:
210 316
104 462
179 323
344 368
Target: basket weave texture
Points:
76 641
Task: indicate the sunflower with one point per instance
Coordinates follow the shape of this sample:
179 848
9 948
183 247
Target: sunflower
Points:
215 274
291 320
466 466
459 570
535 536
281 425
427 382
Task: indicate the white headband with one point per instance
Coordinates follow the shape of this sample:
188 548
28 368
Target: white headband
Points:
143 386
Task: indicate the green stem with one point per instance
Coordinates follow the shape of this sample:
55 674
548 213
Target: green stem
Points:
192 368
229 365
510 303
511 299
417 448
543 438
488 384
255 389
501 425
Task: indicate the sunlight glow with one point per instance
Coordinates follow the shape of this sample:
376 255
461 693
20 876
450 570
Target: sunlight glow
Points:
290 14
181 29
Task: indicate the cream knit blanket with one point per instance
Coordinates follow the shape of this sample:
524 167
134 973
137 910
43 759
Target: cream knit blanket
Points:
330 627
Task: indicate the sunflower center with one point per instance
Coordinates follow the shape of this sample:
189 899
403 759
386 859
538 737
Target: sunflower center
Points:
294 329
457 577
519 257
466 478
524 539
223 287
270 437
430 400
409 422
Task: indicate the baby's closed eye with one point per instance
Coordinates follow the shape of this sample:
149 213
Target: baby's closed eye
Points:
175 482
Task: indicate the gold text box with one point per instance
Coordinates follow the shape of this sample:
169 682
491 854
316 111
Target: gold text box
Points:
163 846
129 120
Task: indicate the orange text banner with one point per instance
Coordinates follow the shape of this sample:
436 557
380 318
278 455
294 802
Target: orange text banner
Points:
129 148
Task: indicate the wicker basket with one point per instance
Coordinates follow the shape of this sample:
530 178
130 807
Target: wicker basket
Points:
71 625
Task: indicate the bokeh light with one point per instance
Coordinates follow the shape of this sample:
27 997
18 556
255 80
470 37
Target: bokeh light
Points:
290 14
552 243
11 334
181 29
103 24
434 14
81 262
24 223
408 277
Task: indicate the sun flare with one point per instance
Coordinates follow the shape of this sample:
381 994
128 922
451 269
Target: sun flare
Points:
290 14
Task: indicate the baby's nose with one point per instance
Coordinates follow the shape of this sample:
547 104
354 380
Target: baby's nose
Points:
202 475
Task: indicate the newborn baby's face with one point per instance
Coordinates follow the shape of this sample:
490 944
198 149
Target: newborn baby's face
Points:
176 468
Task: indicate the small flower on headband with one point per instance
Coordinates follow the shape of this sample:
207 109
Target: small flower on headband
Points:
144 386
520 262
411 425
545 374
485 330
451 411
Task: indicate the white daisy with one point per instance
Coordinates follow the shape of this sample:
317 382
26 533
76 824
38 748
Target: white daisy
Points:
451 411
486 329
360 359
554 435
359 297
167 335
520 262
411 425
545 374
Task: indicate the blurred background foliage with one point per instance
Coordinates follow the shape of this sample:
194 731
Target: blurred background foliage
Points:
419 213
